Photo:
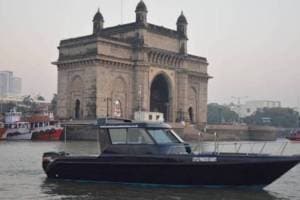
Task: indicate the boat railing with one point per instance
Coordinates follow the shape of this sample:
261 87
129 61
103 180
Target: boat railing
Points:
248 148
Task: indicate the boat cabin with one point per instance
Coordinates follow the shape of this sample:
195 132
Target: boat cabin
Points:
17 125
139 138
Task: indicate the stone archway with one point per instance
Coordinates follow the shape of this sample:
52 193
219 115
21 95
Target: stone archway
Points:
76 91
191 115
160 93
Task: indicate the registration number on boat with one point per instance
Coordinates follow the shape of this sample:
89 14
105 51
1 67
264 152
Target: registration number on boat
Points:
204 159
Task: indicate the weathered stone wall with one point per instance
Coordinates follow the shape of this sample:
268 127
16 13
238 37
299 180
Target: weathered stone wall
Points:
230 132
182 95
114 49
77 82
161 42
77 49
203 92
114 83
195 65
262 132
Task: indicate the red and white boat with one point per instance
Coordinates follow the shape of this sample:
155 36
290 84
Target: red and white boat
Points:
294 136
15 129
44 128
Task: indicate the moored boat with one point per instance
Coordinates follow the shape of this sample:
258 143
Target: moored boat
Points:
294 136
44 128
2 130
152 153
15 128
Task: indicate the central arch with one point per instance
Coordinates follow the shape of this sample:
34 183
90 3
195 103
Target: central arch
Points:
160 96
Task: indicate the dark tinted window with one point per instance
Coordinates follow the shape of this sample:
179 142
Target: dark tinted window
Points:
130 136
163 136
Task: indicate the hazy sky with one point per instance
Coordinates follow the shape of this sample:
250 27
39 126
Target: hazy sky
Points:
253 46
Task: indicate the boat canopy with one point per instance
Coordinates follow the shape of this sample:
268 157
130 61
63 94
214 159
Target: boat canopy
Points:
121 136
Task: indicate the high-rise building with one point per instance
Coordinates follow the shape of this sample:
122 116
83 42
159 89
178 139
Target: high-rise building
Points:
17 85
9 85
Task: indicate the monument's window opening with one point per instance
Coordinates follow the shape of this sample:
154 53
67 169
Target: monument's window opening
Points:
117 108
191 114
77 109
159 96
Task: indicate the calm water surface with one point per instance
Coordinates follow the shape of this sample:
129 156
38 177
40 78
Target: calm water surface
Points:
22 177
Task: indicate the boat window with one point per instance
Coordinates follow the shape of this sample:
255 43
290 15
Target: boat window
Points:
163 136
138 136
118 136
130 136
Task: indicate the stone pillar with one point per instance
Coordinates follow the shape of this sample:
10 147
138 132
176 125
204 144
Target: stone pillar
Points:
202 120
90 93
141 88
102 85
62 83
182 93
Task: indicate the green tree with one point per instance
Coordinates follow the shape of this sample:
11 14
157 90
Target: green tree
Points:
27 100
28 105
279 117
217 114
53 106
40 98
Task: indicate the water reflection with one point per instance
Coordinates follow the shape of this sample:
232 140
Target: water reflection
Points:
93 190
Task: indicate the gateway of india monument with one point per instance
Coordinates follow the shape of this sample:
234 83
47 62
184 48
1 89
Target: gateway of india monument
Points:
118 70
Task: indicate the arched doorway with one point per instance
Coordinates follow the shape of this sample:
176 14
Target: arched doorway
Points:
77 109
193 109
119 98
160 96
191 114
76 95
117 109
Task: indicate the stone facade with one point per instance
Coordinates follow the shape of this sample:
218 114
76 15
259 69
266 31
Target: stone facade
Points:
137 66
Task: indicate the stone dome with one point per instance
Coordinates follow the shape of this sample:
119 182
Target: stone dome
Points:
181 19
141 7
98 16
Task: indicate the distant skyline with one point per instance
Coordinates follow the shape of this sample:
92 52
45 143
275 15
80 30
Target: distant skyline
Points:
253 46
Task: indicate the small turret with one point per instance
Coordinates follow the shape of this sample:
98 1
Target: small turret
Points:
141 13
98 22
182 25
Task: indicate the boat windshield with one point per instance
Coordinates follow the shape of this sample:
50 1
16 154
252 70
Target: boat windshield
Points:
130 136
163 136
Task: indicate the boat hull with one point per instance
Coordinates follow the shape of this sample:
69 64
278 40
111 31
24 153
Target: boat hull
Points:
2 134
222 172
296 138
48 135
18 134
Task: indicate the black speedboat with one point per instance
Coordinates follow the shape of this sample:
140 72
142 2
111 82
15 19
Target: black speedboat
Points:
152 153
